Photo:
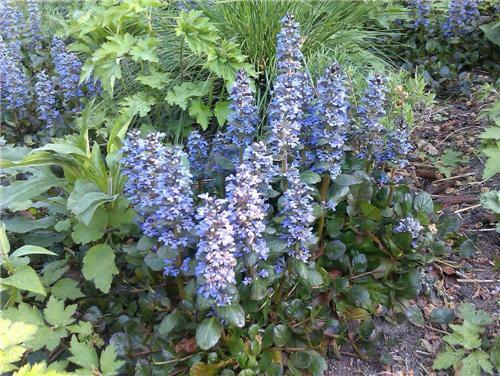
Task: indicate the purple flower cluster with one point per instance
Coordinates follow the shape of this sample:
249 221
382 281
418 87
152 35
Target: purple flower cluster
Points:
461 13
332 107
68 68
422 9
13 80
35 19
216 251
247 204
397 147
297 210
411 225
159 186
45 99
370 133
11 20
171 269
289 92
197 148
243 120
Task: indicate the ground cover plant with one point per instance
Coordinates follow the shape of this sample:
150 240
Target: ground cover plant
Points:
202 214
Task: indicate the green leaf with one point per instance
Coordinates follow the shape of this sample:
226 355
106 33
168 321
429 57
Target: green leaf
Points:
84 354
201 112
472 364
4 242
22 191
25 278
442 315
181 94
334 250
139 103
47 337
414 315
31 250
359 296
466 249
155 79
109 364
12 337
468 312
495 354
66 288
197 30
301 360
85 199
117 46
222 111
94 231
203 369
491 200
99 266
169 322
310 177
491 133
233 314
22 225
492 165
464 335
423 203
447 359
145 50
57 315
281 335
208 333
492 31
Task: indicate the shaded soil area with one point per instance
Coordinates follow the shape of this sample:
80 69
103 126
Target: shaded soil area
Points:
451 127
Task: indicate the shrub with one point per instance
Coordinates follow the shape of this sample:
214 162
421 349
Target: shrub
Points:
447 42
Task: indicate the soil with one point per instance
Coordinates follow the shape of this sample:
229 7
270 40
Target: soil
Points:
452 124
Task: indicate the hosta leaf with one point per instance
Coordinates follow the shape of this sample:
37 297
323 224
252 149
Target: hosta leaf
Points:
57 315
84 354
208 333
25 278
99 266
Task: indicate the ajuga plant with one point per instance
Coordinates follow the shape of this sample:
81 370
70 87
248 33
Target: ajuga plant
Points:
41 92
447 43
242 254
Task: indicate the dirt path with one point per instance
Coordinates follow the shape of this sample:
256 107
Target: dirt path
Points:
455 126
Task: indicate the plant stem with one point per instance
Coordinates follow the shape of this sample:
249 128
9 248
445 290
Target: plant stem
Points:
391 188
323 193
181 59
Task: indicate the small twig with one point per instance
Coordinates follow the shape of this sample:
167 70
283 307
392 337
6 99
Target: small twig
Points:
463 280
455 177
481 229
465 209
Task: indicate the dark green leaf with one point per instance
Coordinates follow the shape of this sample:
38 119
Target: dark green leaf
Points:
208 333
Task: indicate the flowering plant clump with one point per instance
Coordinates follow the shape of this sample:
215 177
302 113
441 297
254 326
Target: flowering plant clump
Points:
250 251
40 91
447 42
315 210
